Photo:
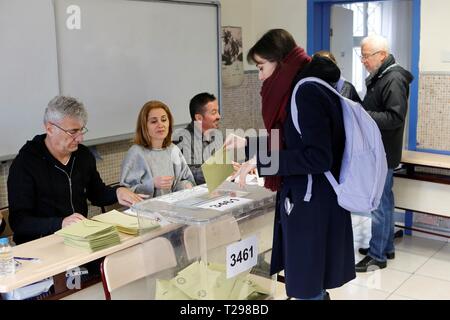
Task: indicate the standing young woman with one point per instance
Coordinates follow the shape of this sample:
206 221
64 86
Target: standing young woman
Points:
313 238
154 165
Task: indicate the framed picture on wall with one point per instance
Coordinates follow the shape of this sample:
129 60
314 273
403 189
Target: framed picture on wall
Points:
232 57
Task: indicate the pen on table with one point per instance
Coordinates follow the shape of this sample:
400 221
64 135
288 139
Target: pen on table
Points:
26 258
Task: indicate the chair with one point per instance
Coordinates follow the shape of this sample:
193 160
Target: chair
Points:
7 232
137 262
217 234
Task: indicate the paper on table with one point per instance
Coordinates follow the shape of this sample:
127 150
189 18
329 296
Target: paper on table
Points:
182 194
149 216
85 229
217 169
124 223
90 234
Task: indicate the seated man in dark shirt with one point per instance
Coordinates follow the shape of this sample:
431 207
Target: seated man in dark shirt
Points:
54 175
201 138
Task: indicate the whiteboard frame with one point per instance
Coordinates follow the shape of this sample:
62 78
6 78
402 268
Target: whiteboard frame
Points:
128 136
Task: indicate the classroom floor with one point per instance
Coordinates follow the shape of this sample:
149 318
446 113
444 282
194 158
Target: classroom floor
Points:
420 270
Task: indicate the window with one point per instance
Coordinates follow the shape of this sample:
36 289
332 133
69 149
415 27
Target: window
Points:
367 19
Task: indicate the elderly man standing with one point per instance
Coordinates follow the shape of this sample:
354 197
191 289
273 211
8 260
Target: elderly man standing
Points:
53 175
386 101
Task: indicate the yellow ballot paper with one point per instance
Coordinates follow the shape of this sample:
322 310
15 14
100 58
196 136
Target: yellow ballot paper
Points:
124 223
89 234
217 169
165 290
206 281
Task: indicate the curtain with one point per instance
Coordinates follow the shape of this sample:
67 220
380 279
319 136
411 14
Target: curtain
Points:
396 27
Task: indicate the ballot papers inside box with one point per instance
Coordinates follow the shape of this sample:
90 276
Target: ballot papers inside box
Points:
223 244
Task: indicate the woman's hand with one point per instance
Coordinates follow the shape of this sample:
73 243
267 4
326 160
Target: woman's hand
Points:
245 169
163 182
237 166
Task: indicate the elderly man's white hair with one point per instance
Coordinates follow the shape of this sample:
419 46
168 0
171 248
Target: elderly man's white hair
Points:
65 106
377 42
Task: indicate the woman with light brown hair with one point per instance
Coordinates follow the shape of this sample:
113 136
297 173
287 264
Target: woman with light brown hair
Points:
154 165
344 87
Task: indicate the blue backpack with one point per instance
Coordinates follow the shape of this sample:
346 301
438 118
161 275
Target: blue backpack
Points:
364 165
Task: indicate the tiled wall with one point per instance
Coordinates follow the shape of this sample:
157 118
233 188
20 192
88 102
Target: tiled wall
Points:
242 105
241 108
4 169
433 131
433 128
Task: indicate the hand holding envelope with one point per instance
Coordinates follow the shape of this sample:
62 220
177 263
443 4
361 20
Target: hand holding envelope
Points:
246 168
217 168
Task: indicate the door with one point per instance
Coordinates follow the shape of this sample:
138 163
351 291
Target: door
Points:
341 39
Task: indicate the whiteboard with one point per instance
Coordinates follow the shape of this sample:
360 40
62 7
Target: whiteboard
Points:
28 70
123 54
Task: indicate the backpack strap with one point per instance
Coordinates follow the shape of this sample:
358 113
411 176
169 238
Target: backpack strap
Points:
294 115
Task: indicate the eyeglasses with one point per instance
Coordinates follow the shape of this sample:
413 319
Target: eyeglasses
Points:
367 56
74 133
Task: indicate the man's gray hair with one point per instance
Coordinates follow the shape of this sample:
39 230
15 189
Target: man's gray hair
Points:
377 42
63 106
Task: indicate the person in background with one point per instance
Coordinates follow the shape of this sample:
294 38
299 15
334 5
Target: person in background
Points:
344 87
154 165
54 175
386 101
313 238
201 138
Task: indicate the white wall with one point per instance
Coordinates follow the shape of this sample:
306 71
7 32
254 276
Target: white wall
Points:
435 36
286 14
258 16
238 13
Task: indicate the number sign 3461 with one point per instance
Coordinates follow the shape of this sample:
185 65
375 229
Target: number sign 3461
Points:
241 256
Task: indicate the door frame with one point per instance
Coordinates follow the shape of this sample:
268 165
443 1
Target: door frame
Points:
318 38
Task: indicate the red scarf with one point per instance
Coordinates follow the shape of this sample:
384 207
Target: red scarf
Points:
275 93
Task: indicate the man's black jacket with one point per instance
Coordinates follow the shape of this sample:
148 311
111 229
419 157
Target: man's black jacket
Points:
386 101
42 191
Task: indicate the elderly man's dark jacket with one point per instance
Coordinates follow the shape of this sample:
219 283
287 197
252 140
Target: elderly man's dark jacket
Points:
386 101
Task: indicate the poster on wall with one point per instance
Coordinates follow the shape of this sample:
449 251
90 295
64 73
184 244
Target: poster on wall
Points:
232 57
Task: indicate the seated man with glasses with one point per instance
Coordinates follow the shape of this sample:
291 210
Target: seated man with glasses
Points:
54 175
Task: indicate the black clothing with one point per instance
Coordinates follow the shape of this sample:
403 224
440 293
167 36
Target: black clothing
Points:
42 191
386 101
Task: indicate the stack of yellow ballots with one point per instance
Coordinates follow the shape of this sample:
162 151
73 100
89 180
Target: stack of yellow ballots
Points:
125 223
89 234
203 281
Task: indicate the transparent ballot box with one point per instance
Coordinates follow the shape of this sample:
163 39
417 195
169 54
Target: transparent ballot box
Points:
218 247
